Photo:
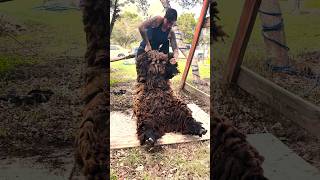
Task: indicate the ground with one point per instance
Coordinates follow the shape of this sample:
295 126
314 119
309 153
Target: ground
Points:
179 161
47 55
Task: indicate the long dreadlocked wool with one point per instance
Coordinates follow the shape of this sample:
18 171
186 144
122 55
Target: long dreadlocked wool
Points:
217 31
157 109
232 157
92 151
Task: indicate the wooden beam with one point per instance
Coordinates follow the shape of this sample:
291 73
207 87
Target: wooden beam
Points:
239 45
204 97
194 42
300 111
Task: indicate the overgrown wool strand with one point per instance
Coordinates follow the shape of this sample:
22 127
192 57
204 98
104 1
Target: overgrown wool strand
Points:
157 109
92 139
217 31
232 157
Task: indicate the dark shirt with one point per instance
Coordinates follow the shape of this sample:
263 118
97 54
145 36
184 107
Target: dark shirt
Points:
156 38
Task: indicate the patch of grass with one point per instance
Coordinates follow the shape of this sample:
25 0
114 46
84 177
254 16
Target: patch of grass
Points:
113 82
134 158
113 176
123 73
57 32
176 161
8 63
146 176
312 4
3 132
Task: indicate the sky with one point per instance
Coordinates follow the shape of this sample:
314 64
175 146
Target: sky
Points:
157 9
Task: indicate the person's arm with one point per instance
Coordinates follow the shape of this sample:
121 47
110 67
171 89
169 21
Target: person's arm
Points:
174 45
153 22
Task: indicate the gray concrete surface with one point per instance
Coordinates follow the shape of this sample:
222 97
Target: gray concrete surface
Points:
281 163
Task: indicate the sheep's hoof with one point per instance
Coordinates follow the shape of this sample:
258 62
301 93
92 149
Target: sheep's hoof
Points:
150 141
202 131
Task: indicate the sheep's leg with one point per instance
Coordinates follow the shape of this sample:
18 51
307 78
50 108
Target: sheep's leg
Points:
193 127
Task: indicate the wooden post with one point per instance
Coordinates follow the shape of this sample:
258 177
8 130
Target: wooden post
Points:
194 42
296 6
239 45
274 36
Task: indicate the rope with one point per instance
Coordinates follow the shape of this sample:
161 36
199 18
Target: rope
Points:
276 27
276 42
316 84
269 13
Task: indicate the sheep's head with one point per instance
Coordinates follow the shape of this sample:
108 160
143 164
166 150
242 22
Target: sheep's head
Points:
155 65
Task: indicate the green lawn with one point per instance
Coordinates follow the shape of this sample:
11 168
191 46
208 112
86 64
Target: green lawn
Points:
53 33
312 4
123 73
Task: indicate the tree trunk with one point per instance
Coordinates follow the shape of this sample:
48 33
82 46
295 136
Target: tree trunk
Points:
115 14
296 6
277 55
165 4
92 151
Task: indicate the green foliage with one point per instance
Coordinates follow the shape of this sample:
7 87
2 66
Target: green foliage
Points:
187 24
188 3
125 31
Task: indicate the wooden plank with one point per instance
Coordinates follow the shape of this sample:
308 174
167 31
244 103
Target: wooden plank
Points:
300 111
204 97
194 42
239 45
280 162
123 129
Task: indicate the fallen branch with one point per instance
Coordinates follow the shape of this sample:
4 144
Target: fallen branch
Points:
123 58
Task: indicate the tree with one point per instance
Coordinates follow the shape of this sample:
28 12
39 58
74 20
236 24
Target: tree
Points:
126 29
115 9
187 24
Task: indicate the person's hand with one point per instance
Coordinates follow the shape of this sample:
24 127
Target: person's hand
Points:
173 61
148 47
